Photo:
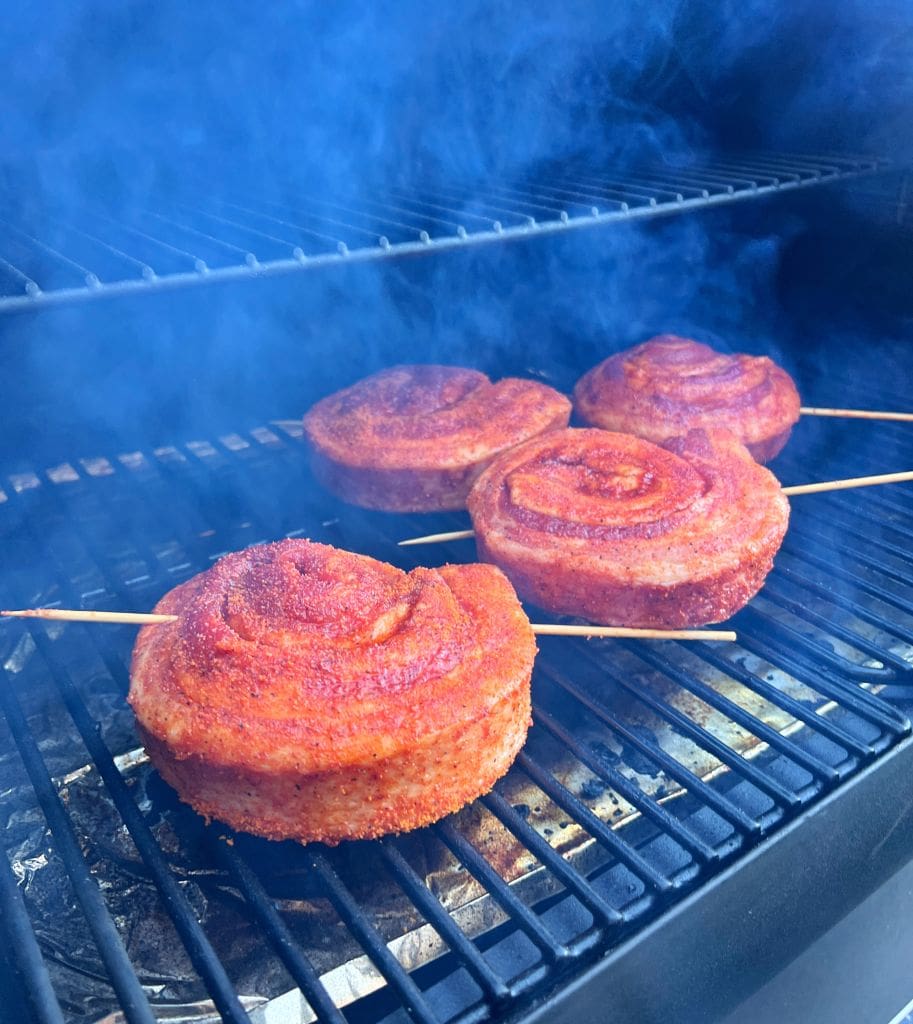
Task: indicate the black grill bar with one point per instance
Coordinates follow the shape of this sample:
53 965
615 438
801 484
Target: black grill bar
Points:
724 807
532 926
24 946
467 953
876 516
649 808
555 863
751 624
201 953
802 667
819 723
732 710
800 608
840 572
110 947
275 928
699 735
566 800
174 242
357 922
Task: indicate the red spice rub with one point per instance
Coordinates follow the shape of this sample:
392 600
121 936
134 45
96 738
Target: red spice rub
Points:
669 385
623 532
311 693
414 438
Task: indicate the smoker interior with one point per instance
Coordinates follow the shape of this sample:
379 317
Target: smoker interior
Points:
653 771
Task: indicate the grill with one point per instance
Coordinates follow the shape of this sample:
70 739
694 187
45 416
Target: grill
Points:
177 236
657 776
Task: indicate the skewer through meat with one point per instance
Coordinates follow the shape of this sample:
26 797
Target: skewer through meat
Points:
621 531
309 693
414 438
669 385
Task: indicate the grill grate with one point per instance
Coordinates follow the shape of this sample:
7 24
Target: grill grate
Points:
79 251
650 766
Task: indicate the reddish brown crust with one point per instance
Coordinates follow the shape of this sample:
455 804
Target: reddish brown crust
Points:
310 693
397 490
414 438
620 531
670 385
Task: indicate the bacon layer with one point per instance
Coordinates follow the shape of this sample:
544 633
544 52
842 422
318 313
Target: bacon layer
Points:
623 532
310 693
414 438
669 385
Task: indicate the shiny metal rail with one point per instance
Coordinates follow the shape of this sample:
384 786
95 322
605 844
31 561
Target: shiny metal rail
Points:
90 254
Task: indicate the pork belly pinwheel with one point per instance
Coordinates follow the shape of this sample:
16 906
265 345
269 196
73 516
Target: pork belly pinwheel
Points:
414 438
669 385
624 532
314 694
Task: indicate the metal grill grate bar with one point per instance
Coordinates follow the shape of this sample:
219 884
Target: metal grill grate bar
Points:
699 735
531 839
562 796
108 941
283 942
803 714
466 952
520 914
733 814
737 714
652 810
24 946
201 952
355 919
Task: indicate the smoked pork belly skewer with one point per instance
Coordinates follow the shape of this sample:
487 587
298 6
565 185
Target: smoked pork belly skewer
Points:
415 438
304 692
669 385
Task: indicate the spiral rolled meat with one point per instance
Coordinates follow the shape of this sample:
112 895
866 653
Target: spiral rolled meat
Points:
314 694
669 385
624 532
414 438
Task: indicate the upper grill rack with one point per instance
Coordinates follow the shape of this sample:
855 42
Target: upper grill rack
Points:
649 767
90 252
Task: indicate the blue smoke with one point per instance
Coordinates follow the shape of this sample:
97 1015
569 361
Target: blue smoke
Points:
115 104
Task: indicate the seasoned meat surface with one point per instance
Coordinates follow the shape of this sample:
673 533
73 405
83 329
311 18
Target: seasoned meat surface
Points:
414 438
311 693
620 531
669 385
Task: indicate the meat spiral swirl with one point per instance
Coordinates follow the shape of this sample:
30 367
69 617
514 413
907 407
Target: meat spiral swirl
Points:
414 438
668 385
311 693
623 532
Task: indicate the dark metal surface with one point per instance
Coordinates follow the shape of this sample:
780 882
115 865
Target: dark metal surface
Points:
70 255
651 769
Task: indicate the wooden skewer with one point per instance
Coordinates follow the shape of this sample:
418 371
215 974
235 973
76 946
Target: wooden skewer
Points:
855 481
438 538
630 633
857 414
826 485
81 615
546 628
